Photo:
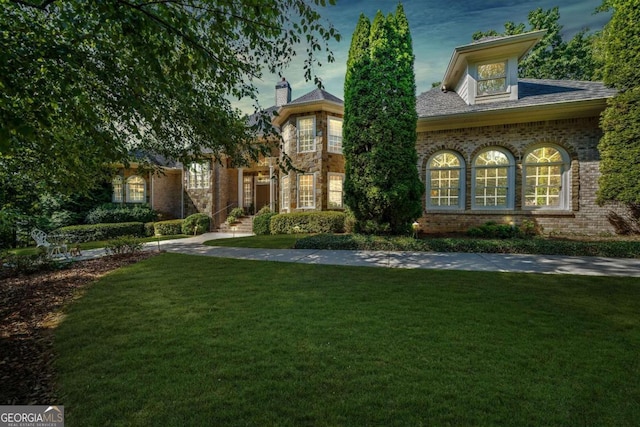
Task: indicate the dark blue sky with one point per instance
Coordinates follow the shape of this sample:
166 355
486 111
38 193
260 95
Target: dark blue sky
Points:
437 27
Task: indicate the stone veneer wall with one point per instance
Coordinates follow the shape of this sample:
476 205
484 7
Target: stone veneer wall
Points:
198 200
579 137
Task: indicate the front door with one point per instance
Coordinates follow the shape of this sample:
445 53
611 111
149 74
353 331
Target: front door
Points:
262 196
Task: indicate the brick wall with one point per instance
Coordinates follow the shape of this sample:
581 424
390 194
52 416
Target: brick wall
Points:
578 137
165 196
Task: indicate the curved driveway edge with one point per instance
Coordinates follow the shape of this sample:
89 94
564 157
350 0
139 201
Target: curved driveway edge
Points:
545 264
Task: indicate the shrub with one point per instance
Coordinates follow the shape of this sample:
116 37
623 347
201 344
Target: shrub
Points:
124 245
308 222
231 219
114 213
15 265
492 230
196 224
264 210
262 222
93 232
168 228
149 229
237 212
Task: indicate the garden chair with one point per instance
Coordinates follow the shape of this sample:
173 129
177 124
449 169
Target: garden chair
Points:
56 248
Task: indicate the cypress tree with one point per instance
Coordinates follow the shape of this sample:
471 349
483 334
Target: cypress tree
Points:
620 145
382 186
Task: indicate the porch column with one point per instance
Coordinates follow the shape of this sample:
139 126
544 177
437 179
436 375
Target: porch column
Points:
240 187
272 188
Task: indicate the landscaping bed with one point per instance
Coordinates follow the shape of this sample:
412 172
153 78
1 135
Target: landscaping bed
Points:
30 308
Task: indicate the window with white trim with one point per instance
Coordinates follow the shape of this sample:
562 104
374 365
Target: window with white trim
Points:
306 134
199 175
493 179
545 180
335 135
492 78
118 189
306 191
136 189
285 197
445 181
335 193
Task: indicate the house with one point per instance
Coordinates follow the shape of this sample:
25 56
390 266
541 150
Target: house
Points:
491 147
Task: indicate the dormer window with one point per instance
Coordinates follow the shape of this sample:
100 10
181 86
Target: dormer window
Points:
492 78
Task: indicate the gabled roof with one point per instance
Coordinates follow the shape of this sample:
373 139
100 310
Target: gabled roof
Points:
488 48
540 100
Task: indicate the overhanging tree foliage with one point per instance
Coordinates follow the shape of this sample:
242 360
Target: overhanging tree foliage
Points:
620 146
552 57
87 82
382 186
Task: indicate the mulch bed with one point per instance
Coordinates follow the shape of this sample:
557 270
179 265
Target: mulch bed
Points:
30 309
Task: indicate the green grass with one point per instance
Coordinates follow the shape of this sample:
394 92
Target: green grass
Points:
97 244
182 340
277 241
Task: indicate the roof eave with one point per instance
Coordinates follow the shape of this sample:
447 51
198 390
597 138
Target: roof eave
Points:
306 107
530 113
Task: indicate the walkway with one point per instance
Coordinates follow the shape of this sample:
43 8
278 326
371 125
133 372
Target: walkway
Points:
545 264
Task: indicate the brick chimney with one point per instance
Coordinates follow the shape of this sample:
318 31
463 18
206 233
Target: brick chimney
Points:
283 92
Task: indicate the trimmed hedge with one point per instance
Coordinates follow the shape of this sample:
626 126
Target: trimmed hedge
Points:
115 213
199 223
308 222
262 223
540 246
94 232
168 228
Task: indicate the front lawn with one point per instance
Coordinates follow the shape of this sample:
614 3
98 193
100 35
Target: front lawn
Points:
183 340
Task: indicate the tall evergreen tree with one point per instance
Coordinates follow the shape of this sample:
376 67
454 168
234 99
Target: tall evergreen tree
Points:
620 145
382 186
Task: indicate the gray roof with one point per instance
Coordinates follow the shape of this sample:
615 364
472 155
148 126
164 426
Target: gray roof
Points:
531 92
316 95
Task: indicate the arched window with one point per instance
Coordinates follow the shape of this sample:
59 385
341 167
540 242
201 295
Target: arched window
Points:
546 178
118 189
445 181
493 179
136 189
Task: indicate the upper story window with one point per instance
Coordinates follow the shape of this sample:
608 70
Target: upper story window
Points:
492 78
546 178
136 189
335 135
445 181
493 179
306 134
199 175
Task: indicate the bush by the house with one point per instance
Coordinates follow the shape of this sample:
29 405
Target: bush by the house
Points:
262 221
308 222
237 212
113 213
231 220
167 228
124 245
93 232
492 230
620 249
196 224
